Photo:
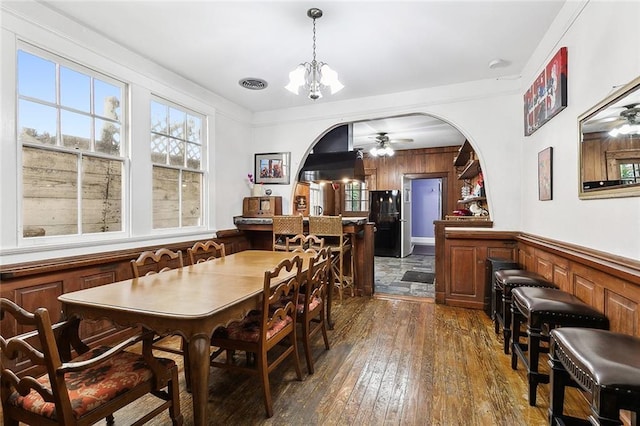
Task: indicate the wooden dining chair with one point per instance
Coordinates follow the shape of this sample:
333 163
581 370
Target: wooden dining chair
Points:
286 226
330 228
205 251
154 262
262 330
311 301
83 390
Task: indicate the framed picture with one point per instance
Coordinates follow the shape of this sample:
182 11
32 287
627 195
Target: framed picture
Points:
547 96
272 168
545 174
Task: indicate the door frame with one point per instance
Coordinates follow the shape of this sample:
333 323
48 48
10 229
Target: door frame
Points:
444 177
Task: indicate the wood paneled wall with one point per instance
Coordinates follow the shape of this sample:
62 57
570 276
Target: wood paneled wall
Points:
609 283
385 173
38 284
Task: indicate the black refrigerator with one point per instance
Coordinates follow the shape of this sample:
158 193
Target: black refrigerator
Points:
384 210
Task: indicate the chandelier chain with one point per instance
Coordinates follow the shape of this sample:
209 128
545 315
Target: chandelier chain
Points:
314 40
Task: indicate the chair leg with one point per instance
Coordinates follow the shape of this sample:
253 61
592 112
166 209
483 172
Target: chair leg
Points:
263 372
516 321
173 389
296 358
534 357
558 380
506 319
605 410
187 368
306 341
323 328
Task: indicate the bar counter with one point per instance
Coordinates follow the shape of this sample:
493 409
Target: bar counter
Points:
259 232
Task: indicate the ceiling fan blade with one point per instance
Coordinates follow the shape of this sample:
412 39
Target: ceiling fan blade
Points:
401 140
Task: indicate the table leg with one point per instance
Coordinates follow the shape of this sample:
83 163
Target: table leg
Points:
199 347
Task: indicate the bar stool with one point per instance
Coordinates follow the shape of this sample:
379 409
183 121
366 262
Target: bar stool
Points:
492 265
284 227
543 309
602 363
505 281
330 228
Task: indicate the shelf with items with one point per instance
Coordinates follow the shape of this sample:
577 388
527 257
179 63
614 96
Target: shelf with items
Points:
465 153
472 200
472 169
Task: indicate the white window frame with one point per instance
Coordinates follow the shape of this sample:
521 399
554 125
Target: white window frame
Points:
203 168
79 237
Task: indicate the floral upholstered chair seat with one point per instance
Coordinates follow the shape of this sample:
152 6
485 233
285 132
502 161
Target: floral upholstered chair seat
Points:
91 388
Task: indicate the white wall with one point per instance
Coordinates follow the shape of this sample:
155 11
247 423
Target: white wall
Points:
603 51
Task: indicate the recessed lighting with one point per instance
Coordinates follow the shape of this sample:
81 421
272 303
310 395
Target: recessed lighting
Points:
253 83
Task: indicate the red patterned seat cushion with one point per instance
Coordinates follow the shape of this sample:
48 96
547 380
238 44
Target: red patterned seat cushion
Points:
248 329
315 301
91 388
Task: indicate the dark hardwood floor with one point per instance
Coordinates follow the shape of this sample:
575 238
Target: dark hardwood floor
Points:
402 362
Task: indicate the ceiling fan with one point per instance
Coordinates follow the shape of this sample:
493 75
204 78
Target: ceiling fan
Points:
624 122
383 137
383 144
630 118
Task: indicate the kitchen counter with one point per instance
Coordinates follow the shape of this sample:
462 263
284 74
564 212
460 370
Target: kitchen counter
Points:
241 220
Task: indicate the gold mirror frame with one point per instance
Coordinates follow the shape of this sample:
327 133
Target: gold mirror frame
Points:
600 154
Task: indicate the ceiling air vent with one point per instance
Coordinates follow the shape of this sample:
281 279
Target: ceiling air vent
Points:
253 83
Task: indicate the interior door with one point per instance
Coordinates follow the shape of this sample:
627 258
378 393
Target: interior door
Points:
405 218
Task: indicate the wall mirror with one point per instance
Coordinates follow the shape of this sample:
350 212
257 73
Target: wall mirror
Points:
610 145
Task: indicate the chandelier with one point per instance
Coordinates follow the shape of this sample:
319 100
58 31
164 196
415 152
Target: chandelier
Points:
314 77
383 150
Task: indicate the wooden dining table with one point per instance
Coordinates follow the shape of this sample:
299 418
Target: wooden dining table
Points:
191 301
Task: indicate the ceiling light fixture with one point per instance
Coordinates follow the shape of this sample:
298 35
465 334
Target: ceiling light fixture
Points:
625 129
314 76
632 126
383 150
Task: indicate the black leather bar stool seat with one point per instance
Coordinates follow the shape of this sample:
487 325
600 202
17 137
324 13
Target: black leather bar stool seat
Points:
505 281
543 309
604 364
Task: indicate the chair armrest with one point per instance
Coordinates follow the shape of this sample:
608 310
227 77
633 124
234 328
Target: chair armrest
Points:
68 367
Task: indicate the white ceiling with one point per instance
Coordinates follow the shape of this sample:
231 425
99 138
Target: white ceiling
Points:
377 47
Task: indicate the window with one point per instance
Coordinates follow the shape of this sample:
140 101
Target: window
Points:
69 127
176 153
630 172
316 195
355 197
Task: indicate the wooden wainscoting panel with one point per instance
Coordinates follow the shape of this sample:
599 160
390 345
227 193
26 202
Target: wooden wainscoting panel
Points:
96 329
622 313
585 290
502 252
44 295
544 267
525 258
463 261
561 277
